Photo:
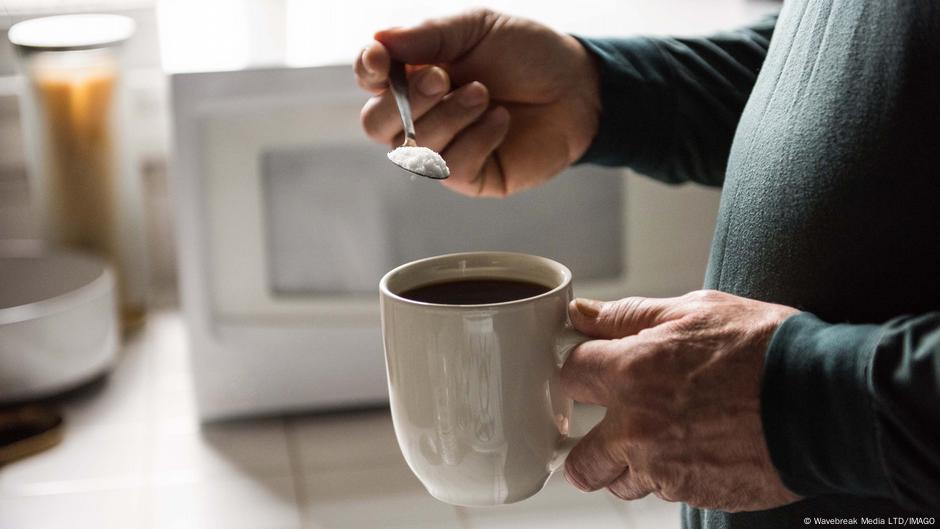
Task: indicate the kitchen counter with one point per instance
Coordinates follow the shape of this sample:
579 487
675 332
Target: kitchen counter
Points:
135 456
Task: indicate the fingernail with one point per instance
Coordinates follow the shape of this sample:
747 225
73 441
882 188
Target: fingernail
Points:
498 115
378 35
365 63
472 96
432 83
571 481
588 308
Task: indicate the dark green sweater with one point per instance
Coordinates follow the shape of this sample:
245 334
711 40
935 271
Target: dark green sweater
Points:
826 141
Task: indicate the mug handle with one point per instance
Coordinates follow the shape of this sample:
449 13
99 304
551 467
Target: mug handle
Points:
565 342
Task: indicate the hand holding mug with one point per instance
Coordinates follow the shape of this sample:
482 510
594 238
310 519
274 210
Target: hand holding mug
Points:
681 380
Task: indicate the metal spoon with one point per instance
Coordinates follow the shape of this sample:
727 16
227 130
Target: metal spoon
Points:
398 82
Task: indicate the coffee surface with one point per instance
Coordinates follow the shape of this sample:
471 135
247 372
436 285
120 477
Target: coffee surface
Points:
475 291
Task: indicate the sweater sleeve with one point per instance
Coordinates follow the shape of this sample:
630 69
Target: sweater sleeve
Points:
669 106
855 409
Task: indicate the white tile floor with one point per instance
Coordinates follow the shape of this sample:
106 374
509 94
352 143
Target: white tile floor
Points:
135 457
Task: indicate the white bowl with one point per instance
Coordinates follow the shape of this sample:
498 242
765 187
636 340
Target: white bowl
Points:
58 320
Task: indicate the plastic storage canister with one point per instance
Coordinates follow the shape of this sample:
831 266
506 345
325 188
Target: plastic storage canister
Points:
84 176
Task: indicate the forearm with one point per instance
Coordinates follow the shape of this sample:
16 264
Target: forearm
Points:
670 105
855 409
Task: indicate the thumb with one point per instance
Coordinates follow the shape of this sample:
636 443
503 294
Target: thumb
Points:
621 318
439 40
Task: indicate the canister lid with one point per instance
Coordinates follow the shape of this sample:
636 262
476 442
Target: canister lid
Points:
71 32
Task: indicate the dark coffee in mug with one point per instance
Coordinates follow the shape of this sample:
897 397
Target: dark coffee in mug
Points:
479 291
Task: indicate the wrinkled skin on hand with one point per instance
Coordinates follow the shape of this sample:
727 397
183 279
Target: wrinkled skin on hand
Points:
507 102
681 381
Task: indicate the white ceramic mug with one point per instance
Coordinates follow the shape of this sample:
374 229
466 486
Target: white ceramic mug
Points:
474 389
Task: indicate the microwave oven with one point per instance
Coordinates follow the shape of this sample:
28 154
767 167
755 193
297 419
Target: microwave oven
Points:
287 216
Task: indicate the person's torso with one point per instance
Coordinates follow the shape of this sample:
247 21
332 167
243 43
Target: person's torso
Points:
831 201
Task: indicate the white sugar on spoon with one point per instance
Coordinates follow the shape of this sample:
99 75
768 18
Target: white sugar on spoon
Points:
418 160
